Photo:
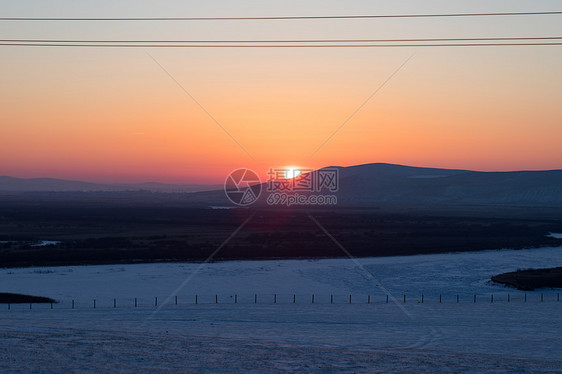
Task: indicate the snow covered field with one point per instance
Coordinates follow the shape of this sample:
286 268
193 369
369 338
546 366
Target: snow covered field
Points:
267 337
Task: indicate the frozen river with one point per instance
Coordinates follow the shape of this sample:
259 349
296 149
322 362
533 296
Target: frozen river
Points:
465 273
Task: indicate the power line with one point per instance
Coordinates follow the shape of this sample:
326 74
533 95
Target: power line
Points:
277 45
284 41
283 17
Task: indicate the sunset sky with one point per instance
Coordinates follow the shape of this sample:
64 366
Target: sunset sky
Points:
113 115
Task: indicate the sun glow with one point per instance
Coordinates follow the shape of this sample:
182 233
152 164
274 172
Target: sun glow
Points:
292 172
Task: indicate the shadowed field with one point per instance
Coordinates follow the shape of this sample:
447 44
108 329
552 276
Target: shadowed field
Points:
102 228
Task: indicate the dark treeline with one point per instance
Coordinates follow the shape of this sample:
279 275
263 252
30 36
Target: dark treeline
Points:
109 233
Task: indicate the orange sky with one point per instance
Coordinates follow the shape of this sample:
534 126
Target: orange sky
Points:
112 115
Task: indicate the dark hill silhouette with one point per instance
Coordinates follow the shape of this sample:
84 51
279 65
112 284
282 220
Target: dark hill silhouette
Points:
412 185
367 185
373 184
11 184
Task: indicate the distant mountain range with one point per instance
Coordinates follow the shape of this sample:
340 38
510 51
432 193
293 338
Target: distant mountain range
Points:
386 183
62 185
368 184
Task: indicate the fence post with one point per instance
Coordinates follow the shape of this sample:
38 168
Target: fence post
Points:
29 305
114 303
294 298
94 303
155 300
72 304
474 298
176 299
196 300
331 299
274 298
235 299
255 298
387 299
135 302
422 299
439 298
51 305
9 306
216 299
404 298
492 298
368 299
350 299
312 298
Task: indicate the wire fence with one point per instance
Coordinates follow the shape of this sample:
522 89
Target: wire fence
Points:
287 299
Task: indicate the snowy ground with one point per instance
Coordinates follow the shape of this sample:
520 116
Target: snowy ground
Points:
267 337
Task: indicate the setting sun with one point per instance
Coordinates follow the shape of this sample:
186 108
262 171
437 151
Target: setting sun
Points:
292 172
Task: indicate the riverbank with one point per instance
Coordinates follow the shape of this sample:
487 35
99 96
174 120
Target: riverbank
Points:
531 279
